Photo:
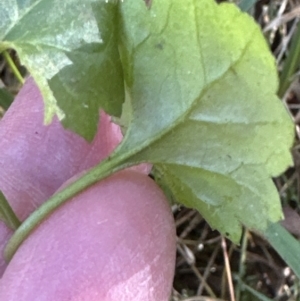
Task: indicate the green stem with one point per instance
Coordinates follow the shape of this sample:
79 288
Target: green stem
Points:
291 64
13 67
97 173
242 269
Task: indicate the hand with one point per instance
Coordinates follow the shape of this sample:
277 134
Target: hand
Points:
113 241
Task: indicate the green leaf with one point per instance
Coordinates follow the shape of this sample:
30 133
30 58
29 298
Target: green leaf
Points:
70 48
204 109
255 295
285 244
6 98
291 64
245 5
6 213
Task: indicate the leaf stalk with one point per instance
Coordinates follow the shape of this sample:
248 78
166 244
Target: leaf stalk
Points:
101 171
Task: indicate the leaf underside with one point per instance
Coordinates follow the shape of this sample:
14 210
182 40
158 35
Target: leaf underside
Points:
202 87
202 84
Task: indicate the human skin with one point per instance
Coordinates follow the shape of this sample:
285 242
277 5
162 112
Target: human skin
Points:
113 242
35 160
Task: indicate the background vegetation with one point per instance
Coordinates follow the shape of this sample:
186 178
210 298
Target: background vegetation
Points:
207 264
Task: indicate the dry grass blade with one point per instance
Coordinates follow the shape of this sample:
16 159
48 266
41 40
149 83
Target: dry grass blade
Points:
228 269
280 20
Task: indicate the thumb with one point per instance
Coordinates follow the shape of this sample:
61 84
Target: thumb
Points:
35 159
114 241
